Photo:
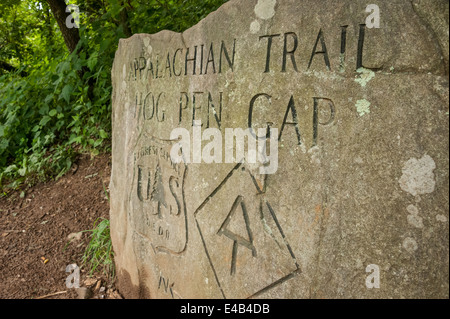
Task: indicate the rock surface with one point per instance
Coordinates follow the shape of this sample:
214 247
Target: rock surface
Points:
361 191
84 293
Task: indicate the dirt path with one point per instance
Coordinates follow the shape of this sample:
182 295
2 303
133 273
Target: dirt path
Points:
34 230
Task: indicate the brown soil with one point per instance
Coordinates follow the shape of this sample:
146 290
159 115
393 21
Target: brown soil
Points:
35 228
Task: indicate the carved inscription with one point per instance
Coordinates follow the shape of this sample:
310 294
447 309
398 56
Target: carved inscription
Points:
166 286
239 228
289 43
157 197
281 52
238 240
200 59
242 233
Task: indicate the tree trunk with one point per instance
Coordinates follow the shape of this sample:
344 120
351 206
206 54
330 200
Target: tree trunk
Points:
124 21
71 35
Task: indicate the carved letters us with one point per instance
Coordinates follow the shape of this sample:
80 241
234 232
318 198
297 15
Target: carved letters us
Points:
157 198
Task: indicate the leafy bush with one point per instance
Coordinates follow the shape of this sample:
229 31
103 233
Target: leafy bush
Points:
55 105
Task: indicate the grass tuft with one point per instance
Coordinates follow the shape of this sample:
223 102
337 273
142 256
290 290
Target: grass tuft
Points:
99 254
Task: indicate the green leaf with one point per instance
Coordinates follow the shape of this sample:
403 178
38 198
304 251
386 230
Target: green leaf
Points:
75 139
103 134
92 62
66 91
3 144
48 98
59 124
44 120
56 83
104 45
44 109
76 66
10 169
95 152
52 113
23 171
63 66
97 143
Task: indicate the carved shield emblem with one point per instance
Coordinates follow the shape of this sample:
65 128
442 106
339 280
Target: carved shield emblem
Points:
156 202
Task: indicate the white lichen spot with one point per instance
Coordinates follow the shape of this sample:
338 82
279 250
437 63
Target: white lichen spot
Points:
362 107
391 69
255 27
415 220
365 76
441 218
359 263
412 210
201 186
265 9
410 244
315 155
147 45
417 176
124 71
303 148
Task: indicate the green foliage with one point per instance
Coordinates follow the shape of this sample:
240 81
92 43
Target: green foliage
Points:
55 105
175 15
99 254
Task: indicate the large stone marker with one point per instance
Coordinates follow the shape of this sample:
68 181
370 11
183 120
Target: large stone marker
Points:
358 203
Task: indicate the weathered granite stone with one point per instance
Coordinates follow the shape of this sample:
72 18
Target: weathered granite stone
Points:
362 182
